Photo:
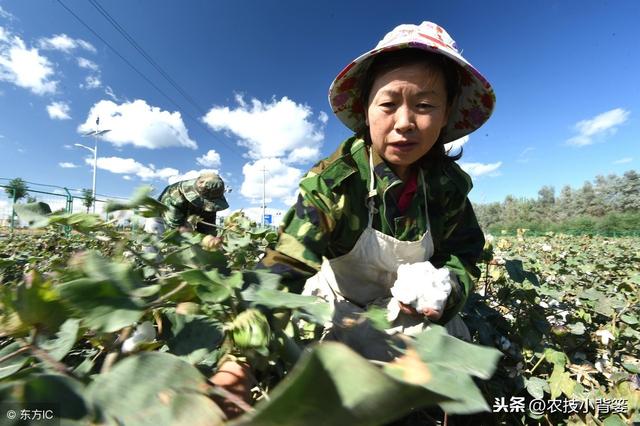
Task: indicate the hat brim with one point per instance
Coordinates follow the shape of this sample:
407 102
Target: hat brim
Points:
216 205
472 108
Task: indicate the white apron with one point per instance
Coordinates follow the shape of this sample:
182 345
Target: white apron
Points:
364 277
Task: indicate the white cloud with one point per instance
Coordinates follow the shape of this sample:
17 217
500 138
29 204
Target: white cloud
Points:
6 15
303 154
270 130
455 146
109 92
87 63
281 181
129 166
480 169
67 165
138 124
191 174
524 155
210 159
24 67
600 125
623 160
65 43
59 111
91 82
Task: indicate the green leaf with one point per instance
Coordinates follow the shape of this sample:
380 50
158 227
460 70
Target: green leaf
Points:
149 206
38 303
629 319
208 290
99 268
327 387
451 363
13 364
614 420
64 394
591 294
318 309
193 337
81 222
518 274
66 338
576 328
102 305
560 382
34 213
536 387
195 257
153 388
6 263
555 357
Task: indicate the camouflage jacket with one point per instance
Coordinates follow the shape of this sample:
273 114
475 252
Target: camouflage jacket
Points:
331 213
180 208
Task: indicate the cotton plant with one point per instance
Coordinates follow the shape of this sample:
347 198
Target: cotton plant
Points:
420 285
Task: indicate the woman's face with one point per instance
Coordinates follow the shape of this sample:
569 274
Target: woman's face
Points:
407 109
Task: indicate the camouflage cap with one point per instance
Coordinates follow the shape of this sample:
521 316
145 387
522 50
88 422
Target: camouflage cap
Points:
207 192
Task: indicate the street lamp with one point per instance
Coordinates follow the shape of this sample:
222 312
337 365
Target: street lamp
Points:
95 133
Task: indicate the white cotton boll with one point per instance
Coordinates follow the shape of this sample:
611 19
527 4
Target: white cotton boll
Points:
436 291
410 278
605 336
144 333
393 309
422 286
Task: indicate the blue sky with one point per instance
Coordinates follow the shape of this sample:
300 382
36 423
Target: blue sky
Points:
249 82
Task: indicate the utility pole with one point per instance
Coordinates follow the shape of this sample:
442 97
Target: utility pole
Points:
94 150
264 193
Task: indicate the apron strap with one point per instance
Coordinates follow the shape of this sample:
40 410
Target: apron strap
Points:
372 191
426 206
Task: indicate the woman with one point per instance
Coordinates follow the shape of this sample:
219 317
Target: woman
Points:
390 195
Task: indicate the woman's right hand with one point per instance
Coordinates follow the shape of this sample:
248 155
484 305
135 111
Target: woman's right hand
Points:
430 313
234 377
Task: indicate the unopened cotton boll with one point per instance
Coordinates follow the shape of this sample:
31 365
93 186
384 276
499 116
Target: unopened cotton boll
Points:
144 333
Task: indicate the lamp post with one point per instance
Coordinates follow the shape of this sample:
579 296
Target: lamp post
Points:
95 133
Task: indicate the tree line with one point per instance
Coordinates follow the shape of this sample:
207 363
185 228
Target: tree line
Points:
608 204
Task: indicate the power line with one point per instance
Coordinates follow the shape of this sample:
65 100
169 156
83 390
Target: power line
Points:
230 147
144 54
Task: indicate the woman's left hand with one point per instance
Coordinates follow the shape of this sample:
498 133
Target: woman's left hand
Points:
431 313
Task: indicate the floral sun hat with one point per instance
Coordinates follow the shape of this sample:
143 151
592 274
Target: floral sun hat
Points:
472 108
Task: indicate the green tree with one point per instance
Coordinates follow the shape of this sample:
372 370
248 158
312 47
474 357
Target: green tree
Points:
87 198
16 189
630 189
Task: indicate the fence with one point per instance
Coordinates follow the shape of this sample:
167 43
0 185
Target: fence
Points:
58 199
